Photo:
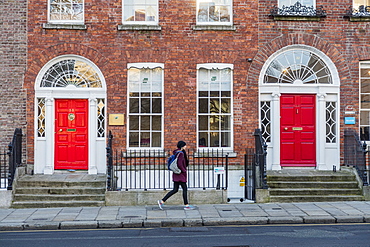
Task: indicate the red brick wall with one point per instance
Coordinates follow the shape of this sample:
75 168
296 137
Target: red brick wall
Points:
13 50
177 46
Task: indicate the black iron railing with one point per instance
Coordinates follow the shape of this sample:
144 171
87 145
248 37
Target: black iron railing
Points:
260 160
14 156
298 10
4 165
147 169
355 154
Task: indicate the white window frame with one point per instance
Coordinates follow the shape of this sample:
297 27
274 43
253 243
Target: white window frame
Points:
66 21
358 3
228 23
218 66
363 65
282 3
145 66
125 22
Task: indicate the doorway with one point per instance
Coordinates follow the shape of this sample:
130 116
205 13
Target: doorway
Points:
298 130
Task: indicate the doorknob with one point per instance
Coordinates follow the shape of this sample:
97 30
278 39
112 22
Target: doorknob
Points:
60 130
285 128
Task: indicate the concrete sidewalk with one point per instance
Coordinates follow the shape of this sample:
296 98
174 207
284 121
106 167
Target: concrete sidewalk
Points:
176 216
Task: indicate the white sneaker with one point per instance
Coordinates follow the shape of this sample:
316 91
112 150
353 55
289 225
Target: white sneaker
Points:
189 207
160 204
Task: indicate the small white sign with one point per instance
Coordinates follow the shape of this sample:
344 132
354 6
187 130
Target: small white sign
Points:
219 170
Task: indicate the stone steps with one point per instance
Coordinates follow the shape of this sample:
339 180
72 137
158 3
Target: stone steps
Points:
59 190
299 185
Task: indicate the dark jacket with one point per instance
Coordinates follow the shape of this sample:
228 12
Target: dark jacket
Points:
181 164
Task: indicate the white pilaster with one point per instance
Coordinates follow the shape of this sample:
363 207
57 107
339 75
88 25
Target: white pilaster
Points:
275 131
92 137
49 133
321 132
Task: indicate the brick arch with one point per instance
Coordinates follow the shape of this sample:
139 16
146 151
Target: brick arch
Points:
297 39
38 61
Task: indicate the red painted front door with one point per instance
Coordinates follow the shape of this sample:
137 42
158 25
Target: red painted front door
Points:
297 130
71 134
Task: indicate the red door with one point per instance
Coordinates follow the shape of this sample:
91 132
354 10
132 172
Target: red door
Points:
297 130
71 134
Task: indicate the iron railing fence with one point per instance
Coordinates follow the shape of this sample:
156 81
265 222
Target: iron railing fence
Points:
147 169
355 154
10 160
250 175
4 168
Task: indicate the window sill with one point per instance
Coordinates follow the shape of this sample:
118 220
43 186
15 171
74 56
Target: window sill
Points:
144 153
64 26
214 154
139 27
213 28
297 18
358 18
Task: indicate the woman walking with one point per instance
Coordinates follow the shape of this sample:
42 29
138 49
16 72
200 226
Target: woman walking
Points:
179 179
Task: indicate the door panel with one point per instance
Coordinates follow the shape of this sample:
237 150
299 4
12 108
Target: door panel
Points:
71 134
297 130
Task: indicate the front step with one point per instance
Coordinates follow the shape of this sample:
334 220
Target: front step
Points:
299 185
59 190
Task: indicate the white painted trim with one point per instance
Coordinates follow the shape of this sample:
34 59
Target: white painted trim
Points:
44 146
324 92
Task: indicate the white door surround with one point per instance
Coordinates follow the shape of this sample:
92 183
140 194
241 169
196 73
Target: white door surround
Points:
301 69
69 77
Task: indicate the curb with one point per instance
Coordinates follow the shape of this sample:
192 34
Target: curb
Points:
175 222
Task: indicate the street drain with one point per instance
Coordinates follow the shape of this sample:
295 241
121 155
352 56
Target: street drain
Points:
41 219
227 210
129 216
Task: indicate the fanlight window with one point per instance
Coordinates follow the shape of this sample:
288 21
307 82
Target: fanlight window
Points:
71 72
298 66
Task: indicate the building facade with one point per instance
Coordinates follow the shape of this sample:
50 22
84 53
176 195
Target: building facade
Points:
13 58
207 72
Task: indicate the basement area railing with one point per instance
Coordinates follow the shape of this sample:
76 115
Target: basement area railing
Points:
147 169
10 159
356 154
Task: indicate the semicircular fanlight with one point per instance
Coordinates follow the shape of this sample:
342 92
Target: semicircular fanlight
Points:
298 66
71 72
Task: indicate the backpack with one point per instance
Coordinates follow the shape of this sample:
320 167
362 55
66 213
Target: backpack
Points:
172 163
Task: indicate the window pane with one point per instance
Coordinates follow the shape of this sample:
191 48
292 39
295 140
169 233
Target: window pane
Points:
134 105
156 105
365 86
203 139
156 139
203 122
203 94
214 122
365 72
144 139
365 101
225 139
145 123
215 139
364 133
225 106
134 139
134 122
225 122
145 105
364 118
203 105
156 123
214 105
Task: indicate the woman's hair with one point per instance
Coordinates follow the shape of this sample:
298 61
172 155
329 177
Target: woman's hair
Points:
181 144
